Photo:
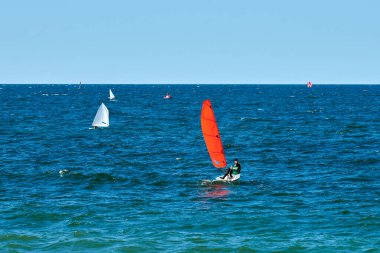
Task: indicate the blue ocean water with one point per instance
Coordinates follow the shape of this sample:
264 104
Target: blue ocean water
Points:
310 169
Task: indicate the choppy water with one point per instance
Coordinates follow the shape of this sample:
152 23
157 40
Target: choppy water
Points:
310 169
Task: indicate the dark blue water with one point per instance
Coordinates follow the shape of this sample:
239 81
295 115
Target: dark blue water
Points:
310 169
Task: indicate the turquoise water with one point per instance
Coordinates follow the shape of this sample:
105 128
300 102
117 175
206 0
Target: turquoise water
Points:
310 169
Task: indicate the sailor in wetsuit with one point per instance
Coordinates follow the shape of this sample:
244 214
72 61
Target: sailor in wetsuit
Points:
233 170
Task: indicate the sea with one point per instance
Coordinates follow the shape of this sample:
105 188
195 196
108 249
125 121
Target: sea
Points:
310 178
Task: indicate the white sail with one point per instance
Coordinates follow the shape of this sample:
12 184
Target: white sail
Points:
112 96
102 117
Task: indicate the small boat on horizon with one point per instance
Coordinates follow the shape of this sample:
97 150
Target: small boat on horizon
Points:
112 96
309 84
168 96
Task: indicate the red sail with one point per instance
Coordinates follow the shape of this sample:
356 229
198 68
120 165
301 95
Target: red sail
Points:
211 135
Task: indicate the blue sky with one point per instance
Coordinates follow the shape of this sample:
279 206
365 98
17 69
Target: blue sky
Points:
194 41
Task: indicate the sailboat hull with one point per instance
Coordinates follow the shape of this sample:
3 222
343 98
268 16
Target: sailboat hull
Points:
227 179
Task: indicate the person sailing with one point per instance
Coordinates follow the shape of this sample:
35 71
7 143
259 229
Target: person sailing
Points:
233 169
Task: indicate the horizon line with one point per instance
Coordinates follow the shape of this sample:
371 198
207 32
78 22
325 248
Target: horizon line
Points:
314 84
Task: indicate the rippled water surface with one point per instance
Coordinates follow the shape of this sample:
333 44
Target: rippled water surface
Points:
310 169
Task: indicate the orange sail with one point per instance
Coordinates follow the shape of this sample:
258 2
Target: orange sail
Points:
211 135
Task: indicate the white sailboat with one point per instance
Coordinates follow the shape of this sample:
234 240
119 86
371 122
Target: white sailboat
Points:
112 96
168 96
102 117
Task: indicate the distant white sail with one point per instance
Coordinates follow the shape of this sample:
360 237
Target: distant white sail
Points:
102 117
112 96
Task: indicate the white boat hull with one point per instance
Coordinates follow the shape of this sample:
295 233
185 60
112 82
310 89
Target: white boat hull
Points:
227 178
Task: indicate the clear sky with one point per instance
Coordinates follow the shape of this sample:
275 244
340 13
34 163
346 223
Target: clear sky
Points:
190 41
